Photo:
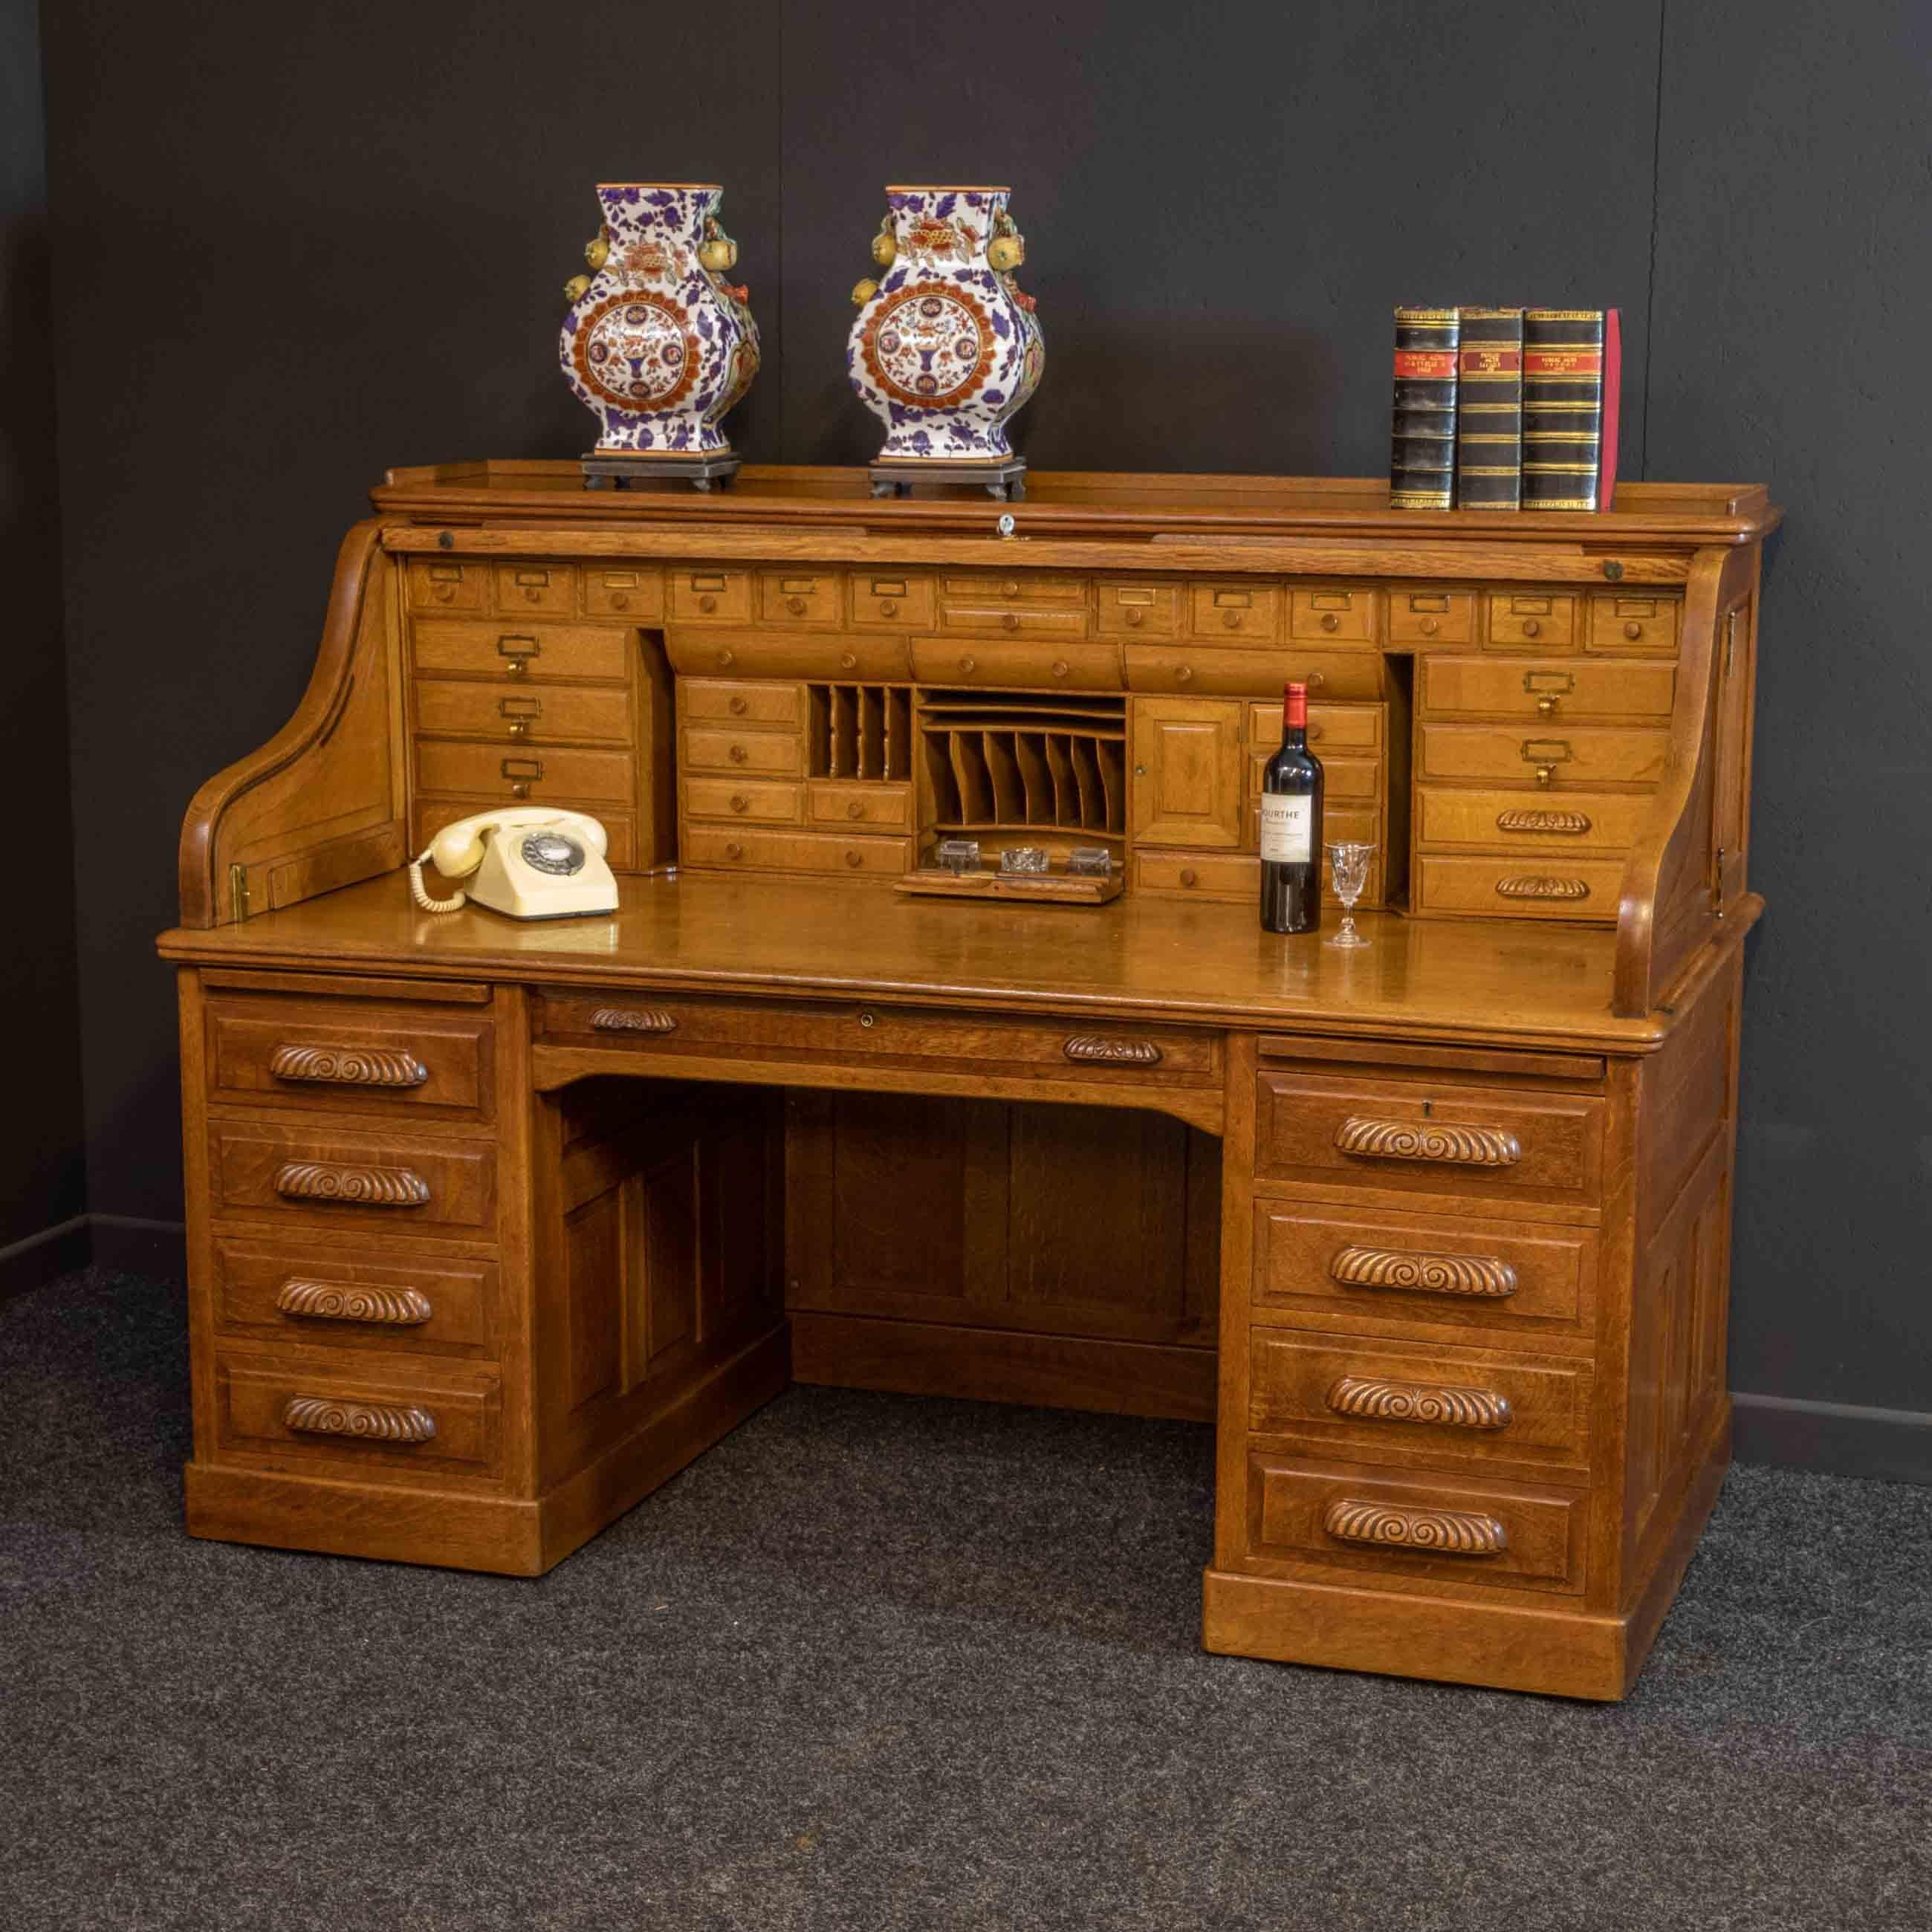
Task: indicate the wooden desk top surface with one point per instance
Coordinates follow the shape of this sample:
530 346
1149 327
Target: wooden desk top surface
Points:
1141 957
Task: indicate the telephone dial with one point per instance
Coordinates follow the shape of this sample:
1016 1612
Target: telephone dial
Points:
534 863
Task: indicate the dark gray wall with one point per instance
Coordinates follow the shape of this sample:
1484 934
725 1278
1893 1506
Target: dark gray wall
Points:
346 235
41 1150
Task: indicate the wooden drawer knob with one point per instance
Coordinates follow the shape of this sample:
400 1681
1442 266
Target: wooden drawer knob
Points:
1532 628
739 803
1010 620
1316 680
443 592
1633 630
738 754
1183 673
1429 627
1330 621
734 850
854 808
635 1019
1231 620
738 707
969 665
1009 589
1410 1271
889 606
621 601
367 1421
348 1066
1372 1139
1136 618
532 596
855 860
1372 1399
351 1301
1060 667
726 659
1188 876
1428 1532
1102 1050
847 662
795 605
354 1186
707 602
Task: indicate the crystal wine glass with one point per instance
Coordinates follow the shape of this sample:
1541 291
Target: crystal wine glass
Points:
1349 860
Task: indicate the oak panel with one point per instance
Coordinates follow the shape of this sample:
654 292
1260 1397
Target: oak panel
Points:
744 801
1548 886
522 588
245 1159
752 851
547 772
1539 694
1353 614
514 713
1017 666
633 591
885 600
1450 819
1633 621
1236 611
1431 617
1221 670
1572 754
739 701
451 648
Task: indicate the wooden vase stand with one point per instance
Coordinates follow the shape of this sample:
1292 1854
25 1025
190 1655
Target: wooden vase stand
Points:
1005 481
607 469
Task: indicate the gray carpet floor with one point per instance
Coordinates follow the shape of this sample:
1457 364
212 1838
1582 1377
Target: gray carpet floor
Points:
876 1663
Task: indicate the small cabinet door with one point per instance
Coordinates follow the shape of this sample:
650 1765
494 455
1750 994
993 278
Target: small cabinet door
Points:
1187 772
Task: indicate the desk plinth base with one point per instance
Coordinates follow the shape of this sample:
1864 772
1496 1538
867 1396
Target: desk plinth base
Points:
508 1536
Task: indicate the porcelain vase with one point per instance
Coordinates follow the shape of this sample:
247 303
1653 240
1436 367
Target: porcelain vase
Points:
946 348
658 345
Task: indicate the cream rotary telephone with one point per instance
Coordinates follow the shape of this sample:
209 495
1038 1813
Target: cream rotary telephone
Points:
536 863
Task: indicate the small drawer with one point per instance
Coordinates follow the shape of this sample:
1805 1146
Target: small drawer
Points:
520 713
1426 1137
1538 694
844 1032
886 807
536 777
435 585
1619 623
1247 610
892 603
1017 666
1517 886
430 815
788 597
1135 609
1235 671
1448 819
1368 1520
1331 727
860 856
1543 619
522 589
1018 587
1560 756
633 591
331 1177
347 1055
1048 621
351 1297
751 752
1201 875
1432 617
1315 1263
744 801
740 701
1346 617
710 596
830 655
387 1424
532 653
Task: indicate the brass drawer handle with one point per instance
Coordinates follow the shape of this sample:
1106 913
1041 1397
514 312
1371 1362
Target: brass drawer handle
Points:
1542 885
632 1019
349 1301
1430 1532
354 1186
1523 818
1425 1273
1547 752
519 650
348 1066
1546 705
1109 1051
367 1421
1427 1140
1370 1398
522 768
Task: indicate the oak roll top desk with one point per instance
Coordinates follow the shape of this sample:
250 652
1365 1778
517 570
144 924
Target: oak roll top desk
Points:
495 1225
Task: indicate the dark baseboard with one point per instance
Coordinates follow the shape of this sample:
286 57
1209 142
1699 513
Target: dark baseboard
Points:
127 1246
46 1256
1833 1437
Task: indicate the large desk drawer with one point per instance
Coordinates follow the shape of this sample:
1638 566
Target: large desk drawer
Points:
1421 1137
988 1042
400 1183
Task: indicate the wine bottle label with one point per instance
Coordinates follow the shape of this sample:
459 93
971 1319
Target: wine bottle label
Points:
1287 830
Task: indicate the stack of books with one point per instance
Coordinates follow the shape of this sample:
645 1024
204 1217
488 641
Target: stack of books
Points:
1505 409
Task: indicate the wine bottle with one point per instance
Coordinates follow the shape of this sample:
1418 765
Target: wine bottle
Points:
1291 830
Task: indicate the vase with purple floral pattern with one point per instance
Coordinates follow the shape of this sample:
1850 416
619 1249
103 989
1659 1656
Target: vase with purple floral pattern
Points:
657 343
946 348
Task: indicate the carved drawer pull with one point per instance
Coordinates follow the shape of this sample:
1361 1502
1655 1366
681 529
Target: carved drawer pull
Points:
367 1421
358 1187
1432 1532
632 1019
1524 818
1541 886
349 1301
1426 1273
1372 1400
1426 1140
348 1066
1110 1051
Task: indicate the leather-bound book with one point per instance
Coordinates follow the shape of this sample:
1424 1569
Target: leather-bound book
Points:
1572 382
1422 459
1489 410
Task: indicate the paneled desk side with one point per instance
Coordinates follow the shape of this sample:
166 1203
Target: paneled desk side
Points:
494 1226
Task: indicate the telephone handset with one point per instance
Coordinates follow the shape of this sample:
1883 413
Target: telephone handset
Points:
534 861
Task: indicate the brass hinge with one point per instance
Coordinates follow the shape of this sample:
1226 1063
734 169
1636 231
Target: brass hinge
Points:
238 891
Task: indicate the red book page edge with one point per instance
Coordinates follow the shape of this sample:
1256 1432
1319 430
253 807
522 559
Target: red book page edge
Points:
1613 390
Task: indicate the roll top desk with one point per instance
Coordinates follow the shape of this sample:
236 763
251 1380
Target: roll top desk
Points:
495 1225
